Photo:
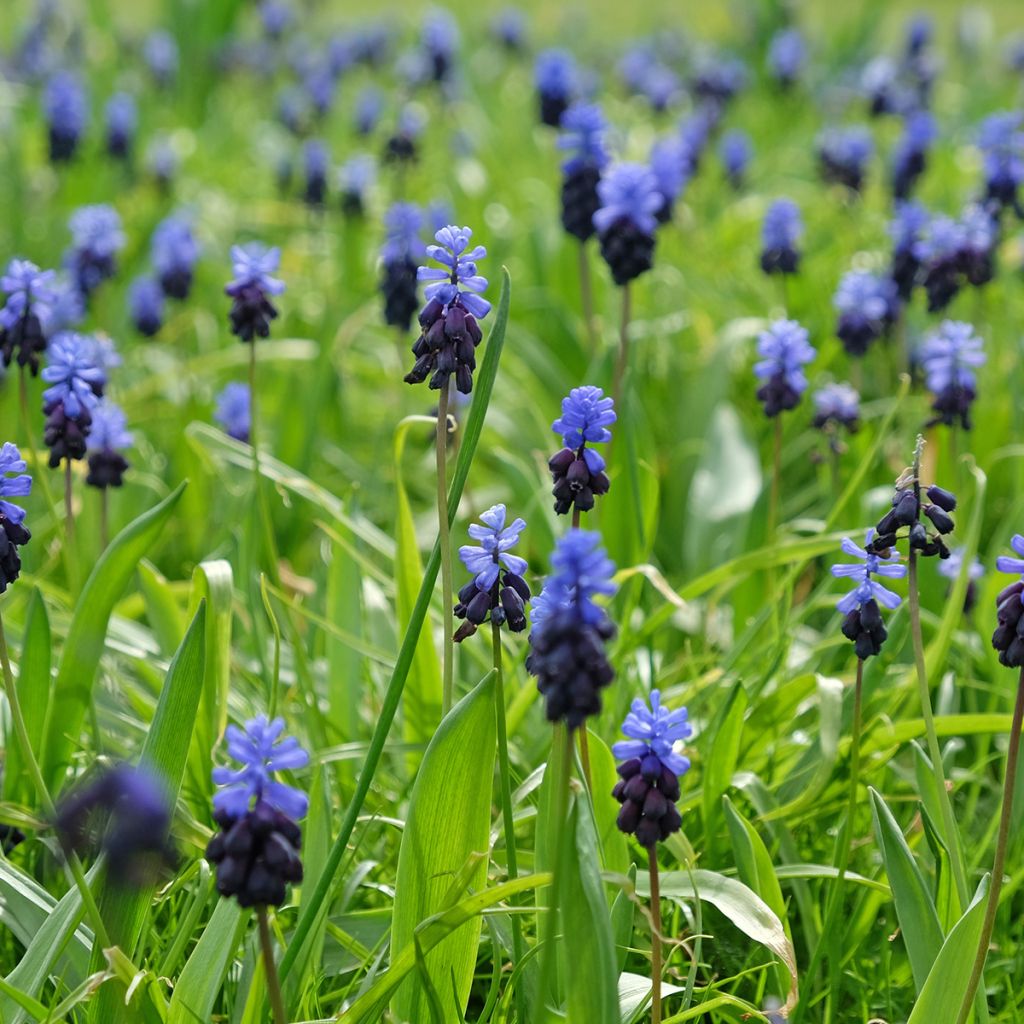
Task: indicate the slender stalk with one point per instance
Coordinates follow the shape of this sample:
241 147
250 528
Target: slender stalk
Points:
69 506
583 742
444 540
575 517
652 861
622 363
505 786
999 863
262 509
74 865
30 440
773 500
587 294
270 968
104 518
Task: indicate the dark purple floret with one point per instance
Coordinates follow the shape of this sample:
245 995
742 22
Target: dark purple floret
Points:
926 520
440 41
122 120
403 145
174 252
108 437
251 288
584 132
400 255
13 532
949 357
910 156
780 236
1001 140
784 350
146 305
980 227
718 79
843 154
868 305
65 107
555 75
787 53
316 164
96 239
627 220
578 472
939 252
26 314
905 230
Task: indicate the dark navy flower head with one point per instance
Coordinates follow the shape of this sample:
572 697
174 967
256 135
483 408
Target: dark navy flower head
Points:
843 154
1008 638
96 239
316 164
908 508
498 590
174 252
122 117
27 314
107 442
781 232
233 411
450 333
1001 140
627 219
910 155
863 621
735 152
719 78
784 350
905 230
838 405
253 265
578 471
670 167
787 53
509 28
355 179
867 304
557 81
14 483
369 107
584 138
403 145
440 41
160 51
66 109
939 253
146 305
949 356
399 255
980 226
276 16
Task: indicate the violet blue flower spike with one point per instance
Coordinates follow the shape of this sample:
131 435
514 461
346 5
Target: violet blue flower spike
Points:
863 621
66 109
555 76
122 118
498 590
584 138
843 154
399 257
1001 141
1008 638
980 228
14 483
949 356
911 153
251 311
627 219
787 53
108 438
27 313
735 151
670 167
96 239
868 305
939 253
449 333
174 253
905 230
780 237
233 411
316 163
76 386
648 785
146 305
355 179
578 471
784 350
837 405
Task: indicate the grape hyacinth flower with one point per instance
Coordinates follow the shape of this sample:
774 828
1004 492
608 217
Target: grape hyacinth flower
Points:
735 151
868 305
843 154
449 333
292 110
567 648
949 356
780 235
122 118
669 167
695 132
718 79
1008 638
980 227
76 386
787 53
256 851
556 79
27 314
497 591
160 52
509 28
66 110
584 135
905 231
1001 140
234 411
836 405
950 568
316 162
174 251
108 438
399 256
627 220
96 239
578 472
251 308
907 509
276 17
133 803
648 785
863 623
939 252
403 146
660 86
369 105
146 305
13 532
784 351
440 41
355 178
911 153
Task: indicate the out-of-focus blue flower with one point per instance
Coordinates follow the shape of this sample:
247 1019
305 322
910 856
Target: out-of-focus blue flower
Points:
695 133
581 572
253 264
661 86
655 730
160 51
787 53
320 86
262 752
837 403
905 230
584 137
66 109
509 28
920 29
122 118
1014 566
719 77
440 41
908 161
174 252
1001 140
949 356
67 309
938 250
146 305
868 304
233 411
459 282
843 154
784 350
369 106
28 289
355 179
496 541
96 239
629 193
103 352
276 17
980 226
74 378
316 162
866 588
586 416
557 79
735 151
669 166
17 486
292 109
781 232
162 161
402 224
109 429
950 567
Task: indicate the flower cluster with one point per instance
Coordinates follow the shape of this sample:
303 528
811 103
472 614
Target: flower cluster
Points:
784 351
1008 638
146 305
256 851
107 440
584 132
13 532
648 785
26 314
907 510
735 151
355 177
498 590
251 288
233 411
949 356
66 109
403 144
1001 140
837 405
578 471
863 623
76 386
905 231
868 305
939 254
951 567
449 333
627 219
787 53
911 153
843 154
567 642
316 165
670 166
96 239
780 236
122 118
173 253
399 257
555 76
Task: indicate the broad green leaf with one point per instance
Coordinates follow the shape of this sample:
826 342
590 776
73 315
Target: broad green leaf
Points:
723 757
603 775
163 613
915 908
34 694
80 658
622 921
946 985
448 822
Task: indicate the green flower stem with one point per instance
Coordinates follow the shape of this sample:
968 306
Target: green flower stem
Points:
656 968
587 294
622 362
270 968
445 541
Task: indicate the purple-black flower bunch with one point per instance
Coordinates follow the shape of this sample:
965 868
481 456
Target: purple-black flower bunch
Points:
122 120
785 350
735 151
402 146
578 472
670 166
787 54
1001 141
949 356
76 386
174 253
439 42
256 851
399 258
911 153
780 237
146 305
14 483
106 443
355 178
584 139
250 290
843 155
939 253
316 166
234 411
26 314
648 785
1008 638
96 239
449 332
569 630
836 406
627 219
66 109
556 79
926 518
160 52
862 622
868 305
498 590
905 229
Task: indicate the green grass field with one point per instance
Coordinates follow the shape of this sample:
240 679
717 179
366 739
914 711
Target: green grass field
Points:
215 601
